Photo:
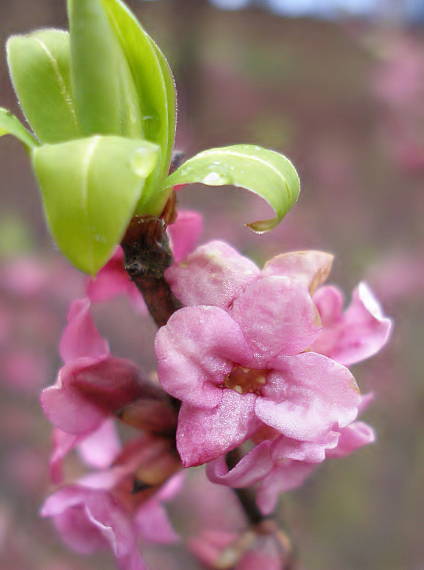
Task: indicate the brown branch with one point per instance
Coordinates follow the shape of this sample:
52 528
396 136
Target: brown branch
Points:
147 256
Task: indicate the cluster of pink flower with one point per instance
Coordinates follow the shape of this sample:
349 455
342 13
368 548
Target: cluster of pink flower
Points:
253 364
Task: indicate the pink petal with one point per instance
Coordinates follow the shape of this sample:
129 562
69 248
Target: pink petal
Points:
277 316
329 302
311 268
249 470
205 434
88 391
153 523
361 332
352 437
88 520
112 280
80 337
185 233
196 349
310 451
308 396
281 479
172 487
100 448
212 275
141 452
63 443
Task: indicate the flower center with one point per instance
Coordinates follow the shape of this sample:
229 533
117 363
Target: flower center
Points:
245 380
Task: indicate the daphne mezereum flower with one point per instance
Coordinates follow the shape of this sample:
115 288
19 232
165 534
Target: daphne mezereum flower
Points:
99 510
240 357
278 464
92 384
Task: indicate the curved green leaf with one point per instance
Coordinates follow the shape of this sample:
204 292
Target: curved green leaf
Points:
39 65
267 173
104 90
11 125
155 88
90 188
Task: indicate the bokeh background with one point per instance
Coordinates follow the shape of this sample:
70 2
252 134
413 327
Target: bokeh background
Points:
338 87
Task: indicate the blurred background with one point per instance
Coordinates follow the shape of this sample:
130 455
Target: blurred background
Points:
336 85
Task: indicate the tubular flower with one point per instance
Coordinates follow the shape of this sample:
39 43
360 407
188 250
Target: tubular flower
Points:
215 273
92 384
236 370
100 510
258 348
279 464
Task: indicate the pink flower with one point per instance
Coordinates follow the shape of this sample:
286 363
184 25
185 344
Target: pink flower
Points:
354 335
112 280
243 367
215 273
184 233
89 520
92 384
280 464
98 449
101 511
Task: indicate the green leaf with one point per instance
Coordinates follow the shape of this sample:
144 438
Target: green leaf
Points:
39 65
267 173
90 188
156 94
104 90
11 125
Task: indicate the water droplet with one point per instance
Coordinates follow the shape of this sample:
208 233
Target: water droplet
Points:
215 179
143 161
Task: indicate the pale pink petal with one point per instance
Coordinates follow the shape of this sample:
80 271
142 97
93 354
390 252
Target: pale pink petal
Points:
89 520
100 448
80 337
141 452
212 275
310 451
352 437
360 333
329 302
172 487
184 233
249 470
112 281
205 434
88 391
311 268
308 396
66 506
283 478
153 524
276 317
63 443
196 349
